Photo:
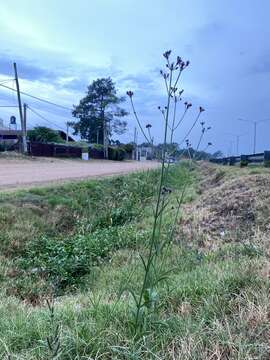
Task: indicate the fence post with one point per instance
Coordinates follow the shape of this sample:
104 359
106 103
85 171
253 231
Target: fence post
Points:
243 160
232 160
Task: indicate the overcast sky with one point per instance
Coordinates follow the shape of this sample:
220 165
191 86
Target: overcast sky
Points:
61 46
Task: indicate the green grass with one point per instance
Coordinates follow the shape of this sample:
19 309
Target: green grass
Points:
82 241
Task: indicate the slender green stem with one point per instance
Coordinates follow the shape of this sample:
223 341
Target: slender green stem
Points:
153 237
173 122
138 121
181 119
195 122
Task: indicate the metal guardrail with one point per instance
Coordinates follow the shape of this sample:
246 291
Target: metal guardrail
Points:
244 159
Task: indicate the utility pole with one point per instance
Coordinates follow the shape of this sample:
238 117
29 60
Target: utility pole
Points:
255 136
229 153
105 130
255 123
24 145
24 136
135 143
105 140
237 145
237 138
97 135
67 131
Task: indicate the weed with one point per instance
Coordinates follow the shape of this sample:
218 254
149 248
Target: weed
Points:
146 300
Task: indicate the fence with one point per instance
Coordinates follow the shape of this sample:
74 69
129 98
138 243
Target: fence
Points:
244 159
42 149
96 153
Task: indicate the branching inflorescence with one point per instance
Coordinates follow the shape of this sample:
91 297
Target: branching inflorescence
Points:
153 265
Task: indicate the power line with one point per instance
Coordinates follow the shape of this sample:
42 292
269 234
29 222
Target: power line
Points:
4 81
38 98
45 119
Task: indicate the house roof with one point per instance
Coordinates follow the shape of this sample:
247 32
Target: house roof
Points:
63 135
4 132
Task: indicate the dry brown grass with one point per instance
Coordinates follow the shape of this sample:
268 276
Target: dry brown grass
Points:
233 206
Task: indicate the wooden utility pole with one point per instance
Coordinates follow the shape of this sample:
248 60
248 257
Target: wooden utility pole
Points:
24 136
24 145
105 130
67 132
135 143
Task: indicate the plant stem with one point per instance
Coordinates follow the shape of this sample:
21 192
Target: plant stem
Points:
153 237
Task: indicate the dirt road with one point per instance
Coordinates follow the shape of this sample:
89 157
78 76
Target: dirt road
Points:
24 173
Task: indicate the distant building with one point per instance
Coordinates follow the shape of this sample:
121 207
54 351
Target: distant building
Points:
2 126
144 152
8 137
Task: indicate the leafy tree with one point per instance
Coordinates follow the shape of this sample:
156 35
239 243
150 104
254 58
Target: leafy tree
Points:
217 154
44 134
99 113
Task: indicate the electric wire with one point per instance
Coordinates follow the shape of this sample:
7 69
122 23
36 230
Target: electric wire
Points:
44 118
38 98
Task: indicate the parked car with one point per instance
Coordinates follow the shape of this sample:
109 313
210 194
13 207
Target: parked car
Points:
170 160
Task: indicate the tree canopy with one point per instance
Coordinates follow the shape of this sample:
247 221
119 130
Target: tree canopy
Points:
99 113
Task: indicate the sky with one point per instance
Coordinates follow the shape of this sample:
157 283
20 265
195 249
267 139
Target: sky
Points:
61 46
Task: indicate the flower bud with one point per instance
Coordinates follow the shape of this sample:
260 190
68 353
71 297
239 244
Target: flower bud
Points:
130 93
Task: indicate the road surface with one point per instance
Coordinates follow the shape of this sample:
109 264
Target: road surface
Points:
24 173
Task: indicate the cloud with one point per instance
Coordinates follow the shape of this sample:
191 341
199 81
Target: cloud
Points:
261 64
26 69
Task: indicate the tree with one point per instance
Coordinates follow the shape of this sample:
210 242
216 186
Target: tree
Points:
99 113
217 154
44 134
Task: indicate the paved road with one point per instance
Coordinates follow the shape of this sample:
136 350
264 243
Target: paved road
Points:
24 173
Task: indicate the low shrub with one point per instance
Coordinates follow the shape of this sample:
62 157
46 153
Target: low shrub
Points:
63 262
243 163
117 154
97 147
129 147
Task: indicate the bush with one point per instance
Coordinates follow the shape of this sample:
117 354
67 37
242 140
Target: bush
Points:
243 163
97 147
44 134
2 147
128 147
267 163
117 154
65 261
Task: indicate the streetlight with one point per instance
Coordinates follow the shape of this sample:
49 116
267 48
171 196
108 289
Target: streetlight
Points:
237 137
255 130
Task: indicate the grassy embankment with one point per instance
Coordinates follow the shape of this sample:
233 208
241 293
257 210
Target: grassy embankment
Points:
81 242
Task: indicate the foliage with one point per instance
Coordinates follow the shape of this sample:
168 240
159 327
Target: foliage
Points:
64 261
2 147
97 146
215 302
129 147
48 221
44 134
99 108
243 163
116 153
217 154
146 298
